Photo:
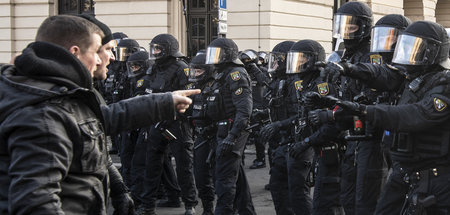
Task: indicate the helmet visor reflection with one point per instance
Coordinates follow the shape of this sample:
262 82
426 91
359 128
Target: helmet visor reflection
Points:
122 53
383 39
410 50
276 59
345 27
156 51
214 55
297 62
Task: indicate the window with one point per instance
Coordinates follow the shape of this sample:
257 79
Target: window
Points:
202 24
76 6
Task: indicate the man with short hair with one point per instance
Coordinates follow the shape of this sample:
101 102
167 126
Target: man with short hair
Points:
53 154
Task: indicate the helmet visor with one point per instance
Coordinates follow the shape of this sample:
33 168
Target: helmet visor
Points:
122 53
297 62
134 68
156 51
276 59
383 39
196 73
214 55
410 50
248 56
346 27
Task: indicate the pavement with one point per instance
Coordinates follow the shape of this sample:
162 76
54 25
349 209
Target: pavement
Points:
257 178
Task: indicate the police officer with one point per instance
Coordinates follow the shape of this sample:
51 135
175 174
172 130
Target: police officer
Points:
230 104
363 166
262 59
258 83
277 138
169 73
420 121
202 77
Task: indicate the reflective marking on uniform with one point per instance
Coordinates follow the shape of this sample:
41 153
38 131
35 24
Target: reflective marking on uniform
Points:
298 85
189 86
148 91
186 71
238 91
235 76
140 83
323 89
439 105
376 59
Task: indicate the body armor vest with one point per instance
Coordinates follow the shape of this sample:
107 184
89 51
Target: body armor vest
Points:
430 146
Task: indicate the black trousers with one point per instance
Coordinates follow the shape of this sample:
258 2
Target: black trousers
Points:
299 191
182 151
363 172
203 171
233 192
279 187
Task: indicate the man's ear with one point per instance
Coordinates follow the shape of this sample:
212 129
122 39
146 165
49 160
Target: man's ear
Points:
75 50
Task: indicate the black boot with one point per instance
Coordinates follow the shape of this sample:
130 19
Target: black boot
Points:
208 208
257 164
171 202
142 210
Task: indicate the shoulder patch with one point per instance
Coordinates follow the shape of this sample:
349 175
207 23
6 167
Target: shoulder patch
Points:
376 59
186 71
298 85
238 91
323 89
139 83
235 75
190 86
439 105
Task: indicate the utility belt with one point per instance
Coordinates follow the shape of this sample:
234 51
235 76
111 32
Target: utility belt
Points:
206 130
417 176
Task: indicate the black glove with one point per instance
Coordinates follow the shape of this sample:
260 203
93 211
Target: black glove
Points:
296 149
269 130
334 70
120 196
123 204
319 116
314 99
227 145
349 108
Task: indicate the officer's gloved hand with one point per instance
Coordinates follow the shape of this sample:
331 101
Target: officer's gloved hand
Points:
320 116
314 99
296 149
227 145
123 204
335 70
347 108
269 130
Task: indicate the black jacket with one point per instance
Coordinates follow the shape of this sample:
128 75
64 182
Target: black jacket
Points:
53 154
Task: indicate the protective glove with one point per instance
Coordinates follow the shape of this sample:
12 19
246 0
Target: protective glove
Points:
347 108
314 99
296 149
227 145
334 70
269 130
120 196
319 116
123 204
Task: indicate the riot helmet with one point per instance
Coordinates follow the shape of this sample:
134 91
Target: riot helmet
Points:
262 58
222 50
137 63
117 36
125 48
423 44
303 55
386 31
277 57
353 20
248 56
198 70
163 46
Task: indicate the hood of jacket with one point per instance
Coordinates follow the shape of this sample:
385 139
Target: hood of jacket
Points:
41 72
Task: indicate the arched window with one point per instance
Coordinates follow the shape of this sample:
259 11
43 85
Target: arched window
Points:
75 6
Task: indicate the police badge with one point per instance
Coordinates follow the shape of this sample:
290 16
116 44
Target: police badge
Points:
376 59
323 89
186 71
139 83
439 105
235 76
298 85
